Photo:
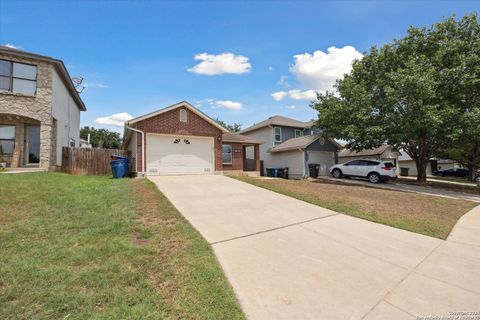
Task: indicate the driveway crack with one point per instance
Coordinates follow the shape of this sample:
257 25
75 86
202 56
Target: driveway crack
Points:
273 229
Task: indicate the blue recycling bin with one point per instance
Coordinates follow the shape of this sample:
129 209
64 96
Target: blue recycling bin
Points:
119 166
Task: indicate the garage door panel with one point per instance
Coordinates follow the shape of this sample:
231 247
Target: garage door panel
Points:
189 155
324 158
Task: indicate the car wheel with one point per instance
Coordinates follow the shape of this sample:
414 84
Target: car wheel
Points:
374 177
336 173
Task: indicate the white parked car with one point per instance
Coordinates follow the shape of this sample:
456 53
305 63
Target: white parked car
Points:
374 170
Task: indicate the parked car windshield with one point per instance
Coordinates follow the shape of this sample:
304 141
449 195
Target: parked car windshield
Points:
389 165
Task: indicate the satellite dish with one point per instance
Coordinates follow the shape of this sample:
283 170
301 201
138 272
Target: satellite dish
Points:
77 80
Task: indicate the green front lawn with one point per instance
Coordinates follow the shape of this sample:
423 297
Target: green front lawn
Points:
428 215
97 248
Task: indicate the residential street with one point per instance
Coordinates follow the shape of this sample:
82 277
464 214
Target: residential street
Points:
287 259
438 192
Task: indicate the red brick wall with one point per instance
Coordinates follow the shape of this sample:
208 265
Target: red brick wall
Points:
169 123
237 157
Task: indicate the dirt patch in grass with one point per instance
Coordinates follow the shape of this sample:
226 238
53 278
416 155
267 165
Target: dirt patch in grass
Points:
428 215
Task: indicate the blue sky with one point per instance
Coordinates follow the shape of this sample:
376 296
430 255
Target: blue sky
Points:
139 56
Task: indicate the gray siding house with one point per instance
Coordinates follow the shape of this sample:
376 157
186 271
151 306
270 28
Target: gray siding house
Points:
293 144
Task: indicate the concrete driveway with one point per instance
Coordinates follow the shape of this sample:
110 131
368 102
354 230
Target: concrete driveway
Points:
287 259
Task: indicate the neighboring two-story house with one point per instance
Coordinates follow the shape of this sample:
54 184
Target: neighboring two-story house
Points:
39 110
293 144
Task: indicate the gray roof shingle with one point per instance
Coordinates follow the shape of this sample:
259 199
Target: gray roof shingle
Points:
279 121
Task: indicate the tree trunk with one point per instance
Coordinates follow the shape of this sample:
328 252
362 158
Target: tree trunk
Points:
472 168
422 170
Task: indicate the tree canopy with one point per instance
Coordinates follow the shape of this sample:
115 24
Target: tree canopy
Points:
418 93
101 138
236 127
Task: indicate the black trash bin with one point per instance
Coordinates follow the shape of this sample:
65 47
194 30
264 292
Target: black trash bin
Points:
313 169
282 173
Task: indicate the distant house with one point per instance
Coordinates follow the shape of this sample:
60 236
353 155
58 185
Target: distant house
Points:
384 152
293 144
39 110
435 164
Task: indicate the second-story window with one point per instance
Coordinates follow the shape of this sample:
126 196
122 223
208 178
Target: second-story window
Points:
278 134
18 77
298 133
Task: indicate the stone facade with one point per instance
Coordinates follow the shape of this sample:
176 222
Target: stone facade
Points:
20 109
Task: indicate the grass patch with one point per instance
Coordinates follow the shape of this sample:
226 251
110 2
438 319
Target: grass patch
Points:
428 215
439 184
98 248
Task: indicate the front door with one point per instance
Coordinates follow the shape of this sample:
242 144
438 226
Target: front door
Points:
32 145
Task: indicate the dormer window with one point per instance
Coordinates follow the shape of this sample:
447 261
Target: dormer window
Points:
183 115
298 133
278 134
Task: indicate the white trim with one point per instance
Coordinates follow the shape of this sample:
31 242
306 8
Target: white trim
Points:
183 115
231 154
275 134
144 153
175 106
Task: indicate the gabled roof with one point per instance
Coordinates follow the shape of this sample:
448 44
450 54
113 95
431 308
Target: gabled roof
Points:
57 63
300 143
279 121
239 138
367 152
183 104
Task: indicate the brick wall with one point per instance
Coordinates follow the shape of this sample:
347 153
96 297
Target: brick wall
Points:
169 123
237 157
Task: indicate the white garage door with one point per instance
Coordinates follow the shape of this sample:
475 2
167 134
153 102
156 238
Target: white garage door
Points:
325 159
169 155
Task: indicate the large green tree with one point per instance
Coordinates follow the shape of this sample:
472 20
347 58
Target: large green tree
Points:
410 93
236 127
101 138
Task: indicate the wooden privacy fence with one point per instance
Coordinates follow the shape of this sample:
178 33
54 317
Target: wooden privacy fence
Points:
93 162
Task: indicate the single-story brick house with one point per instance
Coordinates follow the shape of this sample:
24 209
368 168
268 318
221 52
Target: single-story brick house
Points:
180 139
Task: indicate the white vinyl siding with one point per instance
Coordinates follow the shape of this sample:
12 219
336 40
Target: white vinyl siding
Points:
293 160
67 113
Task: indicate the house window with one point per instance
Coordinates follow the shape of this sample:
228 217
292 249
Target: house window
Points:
7 139
227 153
183 115
278 134
18 77
298 133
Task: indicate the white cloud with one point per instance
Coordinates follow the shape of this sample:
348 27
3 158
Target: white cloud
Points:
96 85
295 95
283 81
291 107
227 62
9 45
228 104
320 70
116 119
279 95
